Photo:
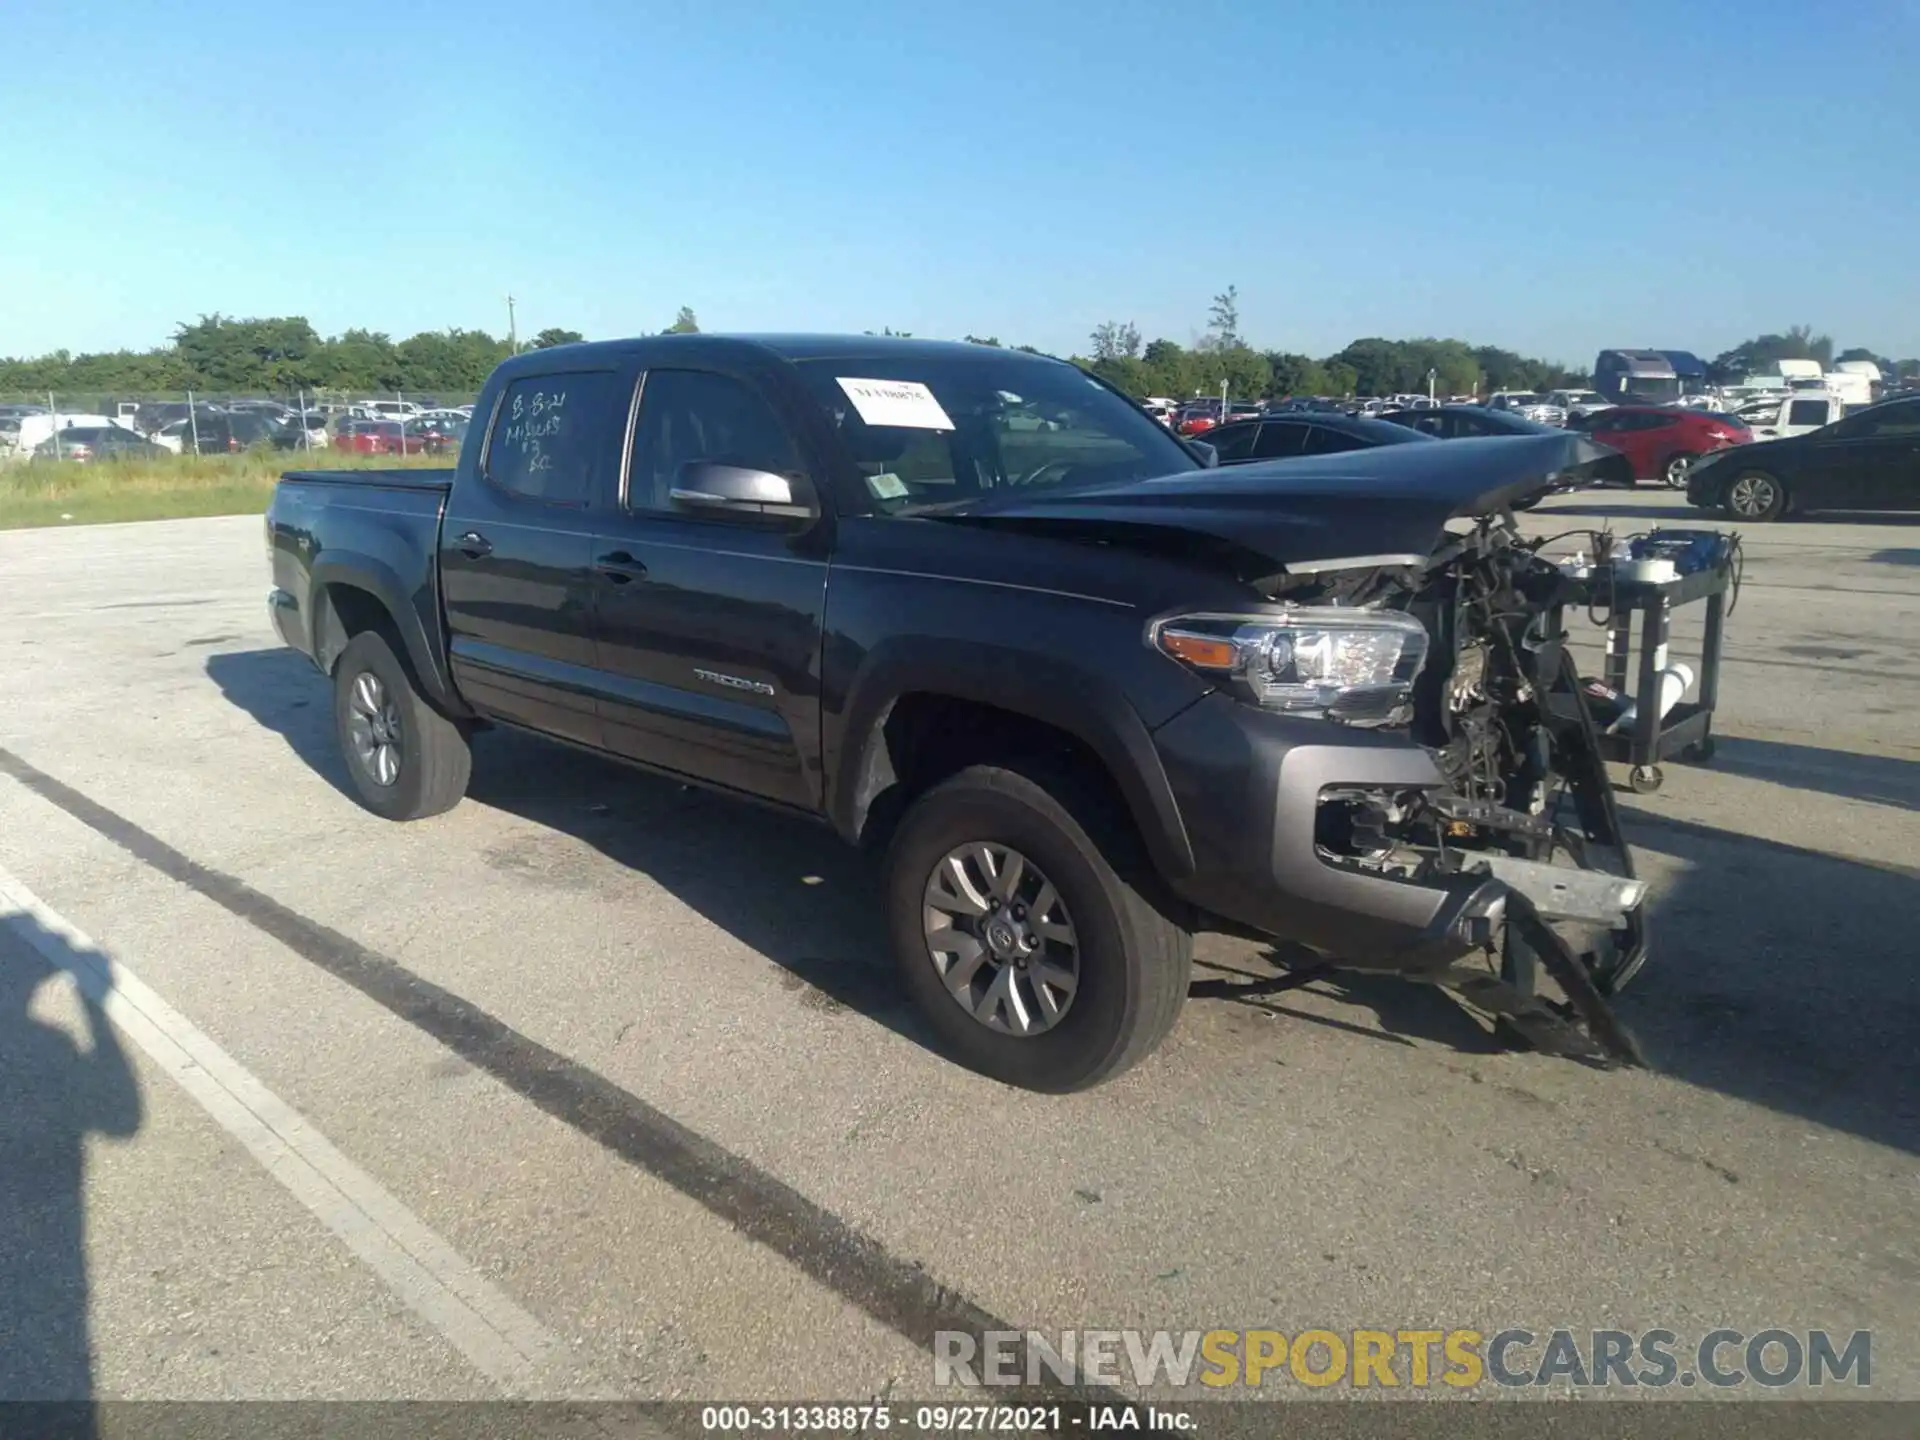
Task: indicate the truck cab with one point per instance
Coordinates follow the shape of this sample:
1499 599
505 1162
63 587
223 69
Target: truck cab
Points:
1800 413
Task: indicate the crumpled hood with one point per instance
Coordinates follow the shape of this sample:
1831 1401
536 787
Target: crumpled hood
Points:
1389 501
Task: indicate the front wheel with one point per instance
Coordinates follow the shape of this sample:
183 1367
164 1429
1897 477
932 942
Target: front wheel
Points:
1023 931
1755 495
406 760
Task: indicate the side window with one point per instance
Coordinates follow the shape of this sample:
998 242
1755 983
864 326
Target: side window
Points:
1322 441
688 415
1234 442
1887 422
548 436
1279 439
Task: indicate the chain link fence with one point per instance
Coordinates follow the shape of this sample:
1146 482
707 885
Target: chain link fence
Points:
197 421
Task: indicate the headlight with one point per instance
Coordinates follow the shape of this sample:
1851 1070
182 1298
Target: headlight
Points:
1352 665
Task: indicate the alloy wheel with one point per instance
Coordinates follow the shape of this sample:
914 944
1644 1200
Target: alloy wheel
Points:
1751 496
1000 938
1677 471
373 724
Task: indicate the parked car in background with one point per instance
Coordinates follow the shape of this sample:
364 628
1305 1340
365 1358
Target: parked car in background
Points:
1529 404
1579 403
378 437
36 428
393 409
302 432
1281 437
1603 465
1795 414
1196 418
1868 461
1662 442
442 434
89 444
227 432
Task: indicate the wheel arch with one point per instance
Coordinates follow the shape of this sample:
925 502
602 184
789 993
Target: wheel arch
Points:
352 593
918 713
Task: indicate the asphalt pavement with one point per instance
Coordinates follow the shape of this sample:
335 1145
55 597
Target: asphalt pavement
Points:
599 1085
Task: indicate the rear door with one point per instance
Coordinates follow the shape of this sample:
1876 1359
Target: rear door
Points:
1631 433
1234 442
1325 440
516 551
1280 439
709 624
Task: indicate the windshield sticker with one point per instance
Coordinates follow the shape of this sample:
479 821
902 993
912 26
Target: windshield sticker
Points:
906 404
887 486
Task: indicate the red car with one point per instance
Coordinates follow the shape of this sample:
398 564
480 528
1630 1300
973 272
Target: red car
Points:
1195 419
1663 441
378 437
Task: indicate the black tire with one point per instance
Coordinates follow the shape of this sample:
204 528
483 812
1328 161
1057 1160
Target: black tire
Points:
434 761
1768 497
1134 960
1675 468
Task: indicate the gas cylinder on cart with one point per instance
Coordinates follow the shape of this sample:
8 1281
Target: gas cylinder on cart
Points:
1675 681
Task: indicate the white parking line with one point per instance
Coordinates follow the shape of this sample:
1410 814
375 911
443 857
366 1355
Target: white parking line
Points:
501 1340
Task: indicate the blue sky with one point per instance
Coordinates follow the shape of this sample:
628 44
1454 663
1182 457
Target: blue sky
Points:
1682 174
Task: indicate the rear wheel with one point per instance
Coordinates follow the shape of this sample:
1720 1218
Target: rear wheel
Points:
1676 471
1755 495
1020 923
406 760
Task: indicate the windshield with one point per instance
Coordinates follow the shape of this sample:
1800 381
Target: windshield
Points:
936 432
1653 389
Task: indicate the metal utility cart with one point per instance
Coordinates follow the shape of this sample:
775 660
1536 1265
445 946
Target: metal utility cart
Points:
1687 729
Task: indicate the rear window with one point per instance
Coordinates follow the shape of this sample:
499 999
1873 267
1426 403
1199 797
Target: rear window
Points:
548 436
1807 412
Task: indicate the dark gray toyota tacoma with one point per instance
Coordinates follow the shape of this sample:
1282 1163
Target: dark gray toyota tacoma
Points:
975 608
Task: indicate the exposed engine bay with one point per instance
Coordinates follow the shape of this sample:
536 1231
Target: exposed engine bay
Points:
1499 706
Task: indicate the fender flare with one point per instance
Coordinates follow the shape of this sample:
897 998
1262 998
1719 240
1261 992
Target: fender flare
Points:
1084 704
381 581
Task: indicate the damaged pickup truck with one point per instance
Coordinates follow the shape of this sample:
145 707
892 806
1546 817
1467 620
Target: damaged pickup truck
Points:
976 610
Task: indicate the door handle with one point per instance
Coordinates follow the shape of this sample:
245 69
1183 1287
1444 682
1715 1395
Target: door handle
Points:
620 567
473 545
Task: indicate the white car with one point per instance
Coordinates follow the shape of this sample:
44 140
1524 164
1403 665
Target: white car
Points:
1578 404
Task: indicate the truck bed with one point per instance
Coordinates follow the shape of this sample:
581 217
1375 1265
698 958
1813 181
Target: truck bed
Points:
435 478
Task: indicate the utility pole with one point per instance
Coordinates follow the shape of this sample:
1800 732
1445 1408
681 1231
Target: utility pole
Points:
513 341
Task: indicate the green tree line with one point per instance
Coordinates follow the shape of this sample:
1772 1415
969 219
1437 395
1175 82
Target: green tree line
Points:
1375 366
221 354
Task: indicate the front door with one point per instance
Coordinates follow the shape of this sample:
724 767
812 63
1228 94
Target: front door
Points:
709 627
1890 462
516 551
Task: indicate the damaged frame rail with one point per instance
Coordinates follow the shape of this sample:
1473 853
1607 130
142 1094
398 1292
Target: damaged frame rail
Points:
1536 894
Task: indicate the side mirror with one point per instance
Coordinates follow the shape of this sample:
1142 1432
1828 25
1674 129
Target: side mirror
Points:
710 487
1206 454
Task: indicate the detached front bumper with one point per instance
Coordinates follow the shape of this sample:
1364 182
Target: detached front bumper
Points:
1248 785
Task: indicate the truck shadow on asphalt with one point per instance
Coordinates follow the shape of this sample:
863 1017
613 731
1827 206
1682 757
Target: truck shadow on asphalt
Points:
786 888
1779 975
1877 779
58 1091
